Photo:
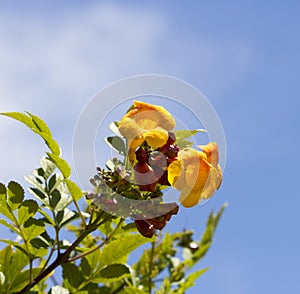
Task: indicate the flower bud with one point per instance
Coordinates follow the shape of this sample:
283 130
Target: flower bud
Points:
141 155
145 176
145 228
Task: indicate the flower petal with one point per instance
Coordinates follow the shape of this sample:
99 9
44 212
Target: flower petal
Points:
212 152
129 129
176 175
189 197
156 137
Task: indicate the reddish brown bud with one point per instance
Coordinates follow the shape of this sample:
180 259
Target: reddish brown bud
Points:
145 176
145 228
141 155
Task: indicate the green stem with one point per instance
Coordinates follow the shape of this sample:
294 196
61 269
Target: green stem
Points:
151 266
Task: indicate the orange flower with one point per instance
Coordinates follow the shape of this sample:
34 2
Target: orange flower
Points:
146 122
196 173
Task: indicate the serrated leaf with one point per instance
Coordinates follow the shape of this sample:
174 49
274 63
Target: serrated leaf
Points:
116 143
33 228
27 210
21 117
58 290
112 273
40 124
15 194
4 210
50 142
61 164
74 190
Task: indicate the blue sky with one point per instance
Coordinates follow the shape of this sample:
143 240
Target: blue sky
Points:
243 55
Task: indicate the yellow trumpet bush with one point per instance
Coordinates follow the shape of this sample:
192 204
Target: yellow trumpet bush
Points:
196 174
146 122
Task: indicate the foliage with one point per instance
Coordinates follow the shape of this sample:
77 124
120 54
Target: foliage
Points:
91 246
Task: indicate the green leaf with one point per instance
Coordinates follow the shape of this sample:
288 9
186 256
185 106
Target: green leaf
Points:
11 264
33 228
72 276
14 244
112 273
207 236
27 210
116 143
43 240
114 127
135 290
58 290
189 281
48 167
74 190
10 226
23 118
65 216
112 252
15 194
50 142
183 134
22 279
40 124
184 143
4 209
61 164
38 184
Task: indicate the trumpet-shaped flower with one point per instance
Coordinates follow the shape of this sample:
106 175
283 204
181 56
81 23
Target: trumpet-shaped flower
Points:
146 122
196 174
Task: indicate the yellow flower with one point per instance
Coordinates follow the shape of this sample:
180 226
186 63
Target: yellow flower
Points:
146 122
196 174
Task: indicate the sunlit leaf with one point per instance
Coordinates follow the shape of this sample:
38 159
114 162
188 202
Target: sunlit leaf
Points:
112 273
61 164
74 190
72 276
27 210
183 134
33 228
40 124
116 143
15 194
